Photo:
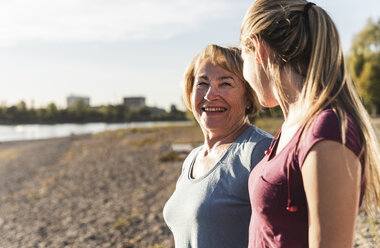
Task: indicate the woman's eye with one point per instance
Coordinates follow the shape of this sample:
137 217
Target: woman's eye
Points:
225 84
201 83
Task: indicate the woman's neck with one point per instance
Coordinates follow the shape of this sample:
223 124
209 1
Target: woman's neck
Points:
215 139
291 106
290 103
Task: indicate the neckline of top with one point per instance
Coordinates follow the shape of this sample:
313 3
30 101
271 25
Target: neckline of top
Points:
271 156
217 164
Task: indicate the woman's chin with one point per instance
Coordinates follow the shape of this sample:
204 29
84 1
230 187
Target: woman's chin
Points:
214 125
268 104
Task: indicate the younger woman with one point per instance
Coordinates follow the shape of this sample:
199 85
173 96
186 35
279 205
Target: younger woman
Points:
307 190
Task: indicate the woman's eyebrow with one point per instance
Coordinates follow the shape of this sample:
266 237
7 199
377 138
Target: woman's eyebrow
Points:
226 77
219 78
203 77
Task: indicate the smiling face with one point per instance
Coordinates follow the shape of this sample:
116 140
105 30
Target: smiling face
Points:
218 99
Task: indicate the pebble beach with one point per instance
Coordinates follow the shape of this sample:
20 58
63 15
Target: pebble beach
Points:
102 190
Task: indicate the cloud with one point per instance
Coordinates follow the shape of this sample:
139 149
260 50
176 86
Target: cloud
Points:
25 21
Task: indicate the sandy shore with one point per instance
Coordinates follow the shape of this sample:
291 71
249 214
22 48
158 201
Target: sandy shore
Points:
104 190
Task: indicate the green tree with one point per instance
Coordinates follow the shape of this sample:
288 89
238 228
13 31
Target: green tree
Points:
78 112
41 115
364 63
113 113
21 113
21 106
52 113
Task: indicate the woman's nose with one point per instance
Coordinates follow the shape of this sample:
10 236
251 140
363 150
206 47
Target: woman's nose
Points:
212 93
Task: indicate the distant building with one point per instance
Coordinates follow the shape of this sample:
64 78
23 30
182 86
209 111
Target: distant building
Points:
157 111
173 108
72 100
134 102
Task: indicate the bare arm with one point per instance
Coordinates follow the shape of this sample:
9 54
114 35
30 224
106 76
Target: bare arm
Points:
331 176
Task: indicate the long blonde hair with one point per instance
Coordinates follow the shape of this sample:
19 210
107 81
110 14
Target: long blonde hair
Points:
309 42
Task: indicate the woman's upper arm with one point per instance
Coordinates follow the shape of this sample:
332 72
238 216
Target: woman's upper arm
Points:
331 175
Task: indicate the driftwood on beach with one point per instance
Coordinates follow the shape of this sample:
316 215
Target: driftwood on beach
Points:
104 190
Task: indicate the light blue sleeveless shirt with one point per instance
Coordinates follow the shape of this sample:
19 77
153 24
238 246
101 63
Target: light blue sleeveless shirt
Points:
214 210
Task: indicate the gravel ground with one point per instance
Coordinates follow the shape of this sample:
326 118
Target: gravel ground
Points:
104 190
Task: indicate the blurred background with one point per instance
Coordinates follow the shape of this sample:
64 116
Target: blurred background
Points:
91 109
110 49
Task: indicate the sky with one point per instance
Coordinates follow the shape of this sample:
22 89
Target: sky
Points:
110 49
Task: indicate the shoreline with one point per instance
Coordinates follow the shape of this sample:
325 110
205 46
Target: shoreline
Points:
47 131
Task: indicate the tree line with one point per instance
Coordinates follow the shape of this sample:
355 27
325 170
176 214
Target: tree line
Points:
363 62
364 65
81 113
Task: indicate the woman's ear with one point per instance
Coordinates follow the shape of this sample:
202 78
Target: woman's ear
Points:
261 49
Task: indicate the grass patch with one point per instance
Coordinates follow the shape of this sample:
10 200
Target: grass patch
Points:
170 156
156 246
270 125
135 240
35 196
10 153
122 222
374 231
143 141
67 157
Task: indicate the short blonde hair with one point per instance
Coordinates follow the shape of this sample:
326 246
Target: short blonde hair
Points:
228 58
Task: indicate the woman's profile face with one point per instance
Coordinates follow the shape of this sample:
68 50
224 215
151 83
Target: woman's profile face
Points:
218 98
255 75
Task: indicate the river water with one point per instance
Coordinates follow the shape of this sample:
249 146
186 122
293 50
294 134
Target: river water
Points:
37 131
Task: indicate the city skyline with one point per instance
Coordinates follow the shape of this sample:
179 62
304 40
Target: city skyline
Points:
107 50
135 101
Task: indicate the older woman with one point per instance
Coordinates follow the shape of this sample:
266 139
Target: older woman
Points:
210 205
